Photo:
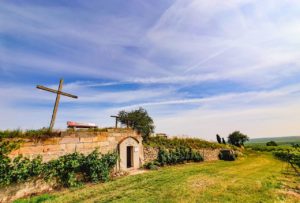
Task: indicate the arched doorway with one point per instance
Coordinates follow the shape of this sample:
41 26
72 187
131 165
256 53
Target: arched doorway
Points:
129 152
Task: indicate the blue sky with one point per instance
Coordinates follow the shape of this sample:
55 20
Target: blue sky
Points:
198 67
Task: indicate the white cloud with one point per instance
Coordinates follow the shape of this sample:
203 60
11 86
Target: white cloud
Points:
260 114
254 44
266 121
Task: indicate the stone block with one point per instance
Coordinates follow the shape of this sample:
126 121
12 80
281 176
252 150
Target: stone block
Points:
103 150
69 140
31 150
111 148
88 139
117 134
88 145
86 151
49 157
111 139
69 148
28 144
15 152
104 144
52 148
79 147
101 138
51 141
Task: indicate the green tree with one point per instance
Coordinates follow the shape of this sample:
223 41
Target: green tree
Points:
138 120
271 143
237 138
219 139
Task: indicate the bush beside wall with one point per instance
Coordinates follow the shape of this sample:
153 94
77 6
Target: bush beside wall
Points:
65 170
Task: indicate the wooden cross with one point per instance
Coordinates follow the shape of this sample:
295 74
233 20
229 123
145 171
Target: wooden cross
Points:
117 118
58 93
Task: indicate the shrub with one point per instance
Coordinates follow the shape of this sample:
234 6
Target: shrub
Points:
66 170
6 146
162 157
271 143
227 155
151 165
97 169
19 170
197 157
290 156
177 156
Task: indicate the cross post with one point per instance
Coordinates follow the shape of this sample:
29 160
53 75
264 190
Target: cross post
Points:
58 93
117 118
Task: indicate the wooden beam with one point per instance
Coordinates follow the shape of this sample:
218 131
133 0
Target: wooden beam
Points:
117 118
56 91
56 104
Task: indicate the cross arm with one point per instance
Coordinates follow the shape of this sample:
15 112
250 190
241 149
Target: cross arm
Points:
55 91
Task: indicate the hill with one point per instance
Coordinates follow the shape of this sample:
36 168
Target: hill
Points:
278 140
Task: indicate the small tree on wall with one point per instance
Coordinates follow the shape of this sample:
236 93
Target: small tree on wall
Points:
223 140
237 138
138 120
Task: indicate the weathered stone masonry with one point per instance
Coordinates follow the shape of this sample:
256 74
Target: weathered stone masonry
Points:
111 140
126 142
85 142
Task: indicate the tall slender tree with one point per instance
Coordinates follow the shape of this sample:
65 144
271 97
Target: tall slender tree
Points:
218 138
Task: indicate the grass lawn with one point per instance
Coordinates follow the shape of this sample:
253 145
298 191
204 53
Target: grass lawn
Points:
253 178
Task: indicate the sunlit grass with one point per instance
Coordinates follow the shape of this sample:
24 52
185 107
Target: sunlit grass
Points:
253 178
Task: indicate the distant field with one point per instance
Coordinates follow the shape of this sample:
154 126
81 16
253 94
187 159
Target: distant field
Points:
279 140
257 177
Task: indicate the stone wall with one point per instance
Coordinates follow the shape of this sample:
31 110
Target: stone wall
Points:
209 154
150 154
16 191
69 142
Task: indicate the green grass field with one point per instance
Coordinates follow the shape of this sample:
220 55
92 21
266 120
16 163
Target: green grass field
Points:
253 178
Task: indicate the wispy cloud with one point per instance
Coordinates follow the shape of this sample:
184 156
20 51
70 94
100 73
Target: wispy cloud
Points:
228 61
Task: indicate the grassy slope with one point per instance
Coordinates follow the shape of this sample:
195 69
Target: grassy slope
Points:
256 178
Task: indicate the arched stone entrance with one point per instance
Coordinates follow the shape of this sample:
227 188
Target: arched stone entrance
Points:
130 152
